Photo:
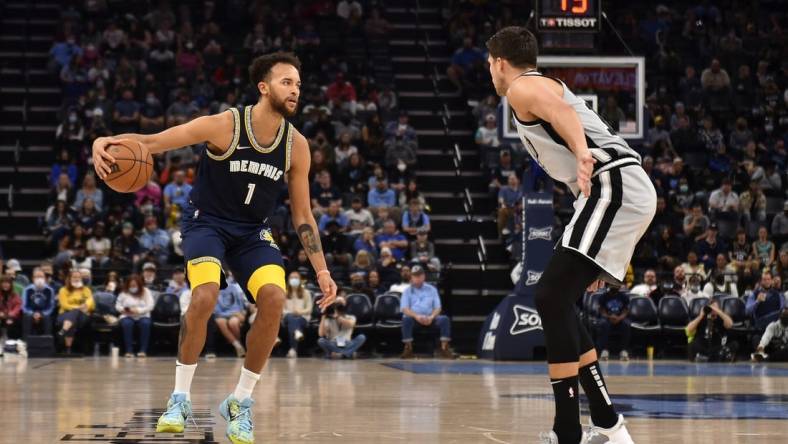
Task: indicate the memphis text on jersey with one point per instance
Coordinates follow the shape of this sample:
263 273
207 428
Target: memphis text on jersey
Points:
259 169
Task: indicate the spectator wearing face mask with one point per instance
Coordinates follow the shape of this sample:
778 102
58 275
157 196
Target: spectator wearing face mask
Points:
773 345
76 304
10 309
38 303
135 304
298 310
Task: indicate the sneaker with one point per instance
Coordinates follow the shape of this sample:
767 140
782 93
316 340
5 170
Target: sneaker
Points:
128 355
238 415
551 438
604 356
445 353
407 351
210 355
617 434
299 336
292 353
624 356
240 351
173 420
141 355
278 341
759 357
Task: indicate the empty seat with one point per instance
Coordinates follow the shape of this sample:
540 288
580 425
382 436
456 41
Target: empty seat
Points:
387 312
167 311
358 305
643 314
673 314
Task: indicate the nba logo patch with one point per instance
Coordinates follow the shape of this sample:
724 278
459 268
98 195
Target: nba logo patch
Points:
266 236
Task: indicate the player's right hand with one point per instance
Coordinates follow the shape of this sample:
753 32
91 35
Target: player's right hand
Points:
102 160
585 168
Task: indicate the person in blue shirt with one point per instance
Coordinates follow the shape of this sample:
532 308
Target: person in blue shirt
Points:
392 239
507 200
63 52
38 303
613 310
381 195
177 192
421 307
464 60
230 314
155 241
765 302
334 214
415 218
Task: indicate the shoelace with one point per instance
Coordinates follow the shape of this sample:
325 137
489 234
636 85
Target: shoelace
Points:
185 411
245 417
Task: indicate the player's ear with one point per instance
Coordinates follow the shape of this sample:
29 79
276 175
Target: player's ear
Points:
263 88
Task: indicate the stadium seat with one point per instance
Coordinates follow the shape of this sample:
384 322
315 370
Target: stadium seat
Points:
104 322
696 305
358 305
387 312
166 318
643 314
673 314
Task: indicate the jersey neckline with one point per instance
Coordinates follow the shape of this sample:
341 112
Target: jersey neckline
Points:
250 132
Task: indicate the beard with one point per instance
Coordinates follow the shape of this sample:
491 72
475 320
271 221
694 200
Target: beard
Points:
280 105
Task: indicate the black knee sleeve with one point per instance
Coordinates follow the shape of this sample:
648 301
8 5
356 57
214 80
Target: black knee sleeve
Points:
564 280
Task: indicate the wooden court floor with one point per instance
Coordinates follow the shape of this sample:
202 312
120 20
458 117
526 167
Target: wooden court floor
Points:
101 400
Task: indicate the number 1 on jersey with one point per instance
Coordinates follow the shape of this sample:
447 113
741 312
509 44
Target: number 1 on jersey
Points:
249 194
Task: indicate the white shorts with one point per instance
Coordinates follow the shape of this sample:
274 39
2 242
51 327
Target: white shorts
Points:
607 225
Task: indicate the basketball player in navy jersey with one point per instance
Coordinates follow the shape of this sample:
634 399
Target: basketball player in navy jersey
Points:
614 207
250 150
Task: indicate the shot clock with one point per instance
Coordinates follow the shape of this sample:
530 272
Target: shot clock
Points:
568 15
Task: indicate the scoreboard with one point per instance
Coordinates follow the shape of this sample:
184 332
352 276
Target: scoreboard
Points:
568 15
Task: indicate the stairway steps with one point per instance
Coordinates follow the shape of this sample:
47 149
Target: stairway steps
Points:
24 248
462 229
25 201
467 252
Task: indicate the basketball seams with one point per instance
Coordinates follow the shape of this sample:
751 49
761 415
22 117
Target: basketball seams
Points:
137 157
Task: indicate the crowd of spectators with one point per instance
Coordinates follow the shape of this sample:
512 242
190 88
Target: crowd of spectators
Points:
133 69
716 128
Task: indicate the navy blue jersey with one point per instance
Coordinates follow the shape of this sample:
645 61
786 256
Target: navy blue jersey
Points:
243 183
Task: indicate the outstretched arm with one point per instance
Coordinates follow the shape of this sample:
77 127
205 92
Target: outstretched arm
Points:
535 97
216 129
304 221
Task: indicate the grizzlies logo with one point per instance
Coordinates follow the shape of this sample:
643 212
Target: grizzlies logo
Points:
266 236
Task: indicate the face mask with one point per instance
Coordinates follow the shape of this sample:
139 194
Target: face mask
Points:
134 290
294 282
151 101
76 284
72 118
401 167
39 282
112 286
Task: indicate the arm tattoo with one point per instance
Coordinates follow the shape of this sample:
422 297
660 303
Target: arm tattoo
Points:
308 238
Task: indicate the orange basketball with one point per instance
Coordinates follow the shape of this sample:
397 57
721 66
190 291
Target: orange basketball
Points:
132 168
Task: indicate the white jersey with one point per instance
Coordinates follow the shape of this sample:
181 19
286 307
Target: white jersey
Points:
549 149
607 224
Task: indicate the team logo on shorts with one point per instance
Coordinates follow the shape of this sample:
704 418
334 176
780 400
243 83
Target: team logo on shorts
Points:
266 236
545 233
532 277
525 319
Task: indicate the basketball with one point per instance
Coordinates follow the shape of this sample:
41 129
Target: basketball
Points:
132 168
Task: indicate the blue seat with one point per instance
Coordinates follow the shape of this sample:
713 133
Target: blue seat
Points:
673 314
387 312
359 305
643 314
696 305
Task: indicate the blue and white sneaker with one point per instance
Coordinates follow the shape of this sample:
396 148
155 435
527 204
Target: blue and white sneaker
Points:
174 419
238 415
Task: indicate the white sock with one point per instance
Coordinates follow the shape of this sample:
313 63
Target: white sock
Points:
245 384
183 378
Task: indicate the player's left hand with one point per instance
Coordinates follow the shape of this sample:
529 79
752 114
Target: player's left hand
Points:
585 168
329 289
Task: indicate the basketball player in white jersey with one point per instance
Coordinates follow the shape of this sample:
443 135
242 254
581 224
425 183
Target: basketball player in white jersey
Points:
614 207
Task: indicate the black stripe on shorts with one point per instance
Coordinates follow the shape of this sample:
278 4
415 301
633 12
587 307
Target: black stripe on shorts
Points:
616 196
585 214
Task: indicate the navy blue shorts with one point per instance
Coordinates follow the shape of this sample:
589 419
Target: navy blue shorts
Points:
248 250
